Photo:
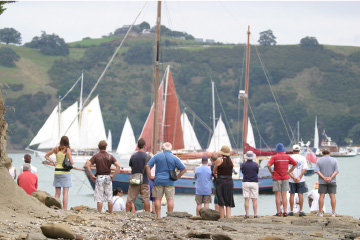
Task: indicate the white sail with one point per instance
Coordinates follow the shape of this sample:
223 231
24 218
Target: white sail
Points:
48 132
190 140
69 125
316 135
127 143
219 138
92 129
109 142
250 139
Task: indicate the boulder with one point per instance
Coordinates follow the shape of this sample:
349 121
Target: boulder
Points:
53 202
41 195
220 236
74 218
178 214
35 236
198 235
57 230
209 214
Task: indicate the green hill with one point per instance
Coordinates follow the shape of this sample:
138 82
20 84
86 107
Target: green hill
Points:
322 81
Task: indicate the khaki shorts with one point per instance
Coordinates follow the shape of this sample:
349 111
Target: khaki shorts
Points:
281 186
158 191
134 190
103 189
199 199
250 189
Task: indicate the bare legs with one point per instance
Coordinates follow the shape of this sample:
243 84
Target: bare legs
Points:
99 206
301 201
170 204
158 207
278 197
321 202
225 211
246 204
333 201
65 195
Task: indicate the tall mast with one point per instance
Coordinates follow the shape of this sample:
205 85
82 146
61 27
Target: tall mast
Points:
213 108
154 147
81 90
245 120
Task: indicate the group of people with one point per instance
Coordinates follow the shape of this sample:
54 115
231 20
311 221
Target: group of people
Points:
217 177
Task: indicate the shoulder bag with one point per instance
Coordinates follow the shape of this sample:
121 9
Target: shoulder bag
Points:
66 163
137 178
172 173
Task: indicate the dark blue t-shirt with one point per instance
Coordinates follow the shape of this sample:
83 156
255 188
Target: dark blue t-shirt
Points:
250 170
137 163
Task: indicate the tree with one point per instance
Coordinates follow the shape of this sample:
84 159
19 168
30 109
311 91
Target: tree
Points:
51 45
309 42
8 57
267 38
2 9
144 25
10 35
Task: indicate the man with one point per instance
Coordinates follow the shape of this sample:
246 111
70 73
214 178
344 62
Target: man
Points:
280 176
27 159
137 163
250 171
297 181
203 185
103 179
28 180
327 168
162 183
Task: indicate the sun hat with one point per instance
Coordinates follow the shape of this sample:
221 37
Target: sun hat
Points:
225 150
250 155
280 148
325 150
296 147
26 167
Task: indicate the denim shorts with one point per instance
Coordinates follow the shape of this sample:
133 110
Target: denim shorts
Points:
299 187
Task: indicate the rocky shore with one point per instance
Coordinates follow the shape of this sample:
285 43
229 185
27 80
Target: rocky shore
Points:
85 223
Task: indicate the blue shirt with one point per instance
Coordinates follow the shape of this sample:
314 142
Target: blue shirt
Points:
162 170
250 170
203 180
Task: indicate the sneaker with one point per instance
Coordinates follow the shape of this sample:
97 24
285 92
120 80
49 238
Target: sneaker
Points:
302 214
334 214
256 216
246 217
320 214
291 214
285 214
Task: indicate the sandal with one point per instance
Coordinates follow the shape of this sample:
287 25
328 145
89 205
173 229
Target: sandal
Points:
246 217
278 214
285 214
256 216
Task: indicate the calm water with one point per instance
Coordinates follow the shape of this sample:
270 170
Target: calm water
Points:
348 181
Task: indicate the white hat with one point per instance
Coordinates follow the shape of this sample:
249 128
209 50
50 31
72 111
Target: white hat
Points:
250 155
296 147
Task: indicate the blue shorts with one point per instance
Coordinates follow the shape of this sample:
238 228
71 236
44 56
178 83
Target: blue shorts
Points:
299 187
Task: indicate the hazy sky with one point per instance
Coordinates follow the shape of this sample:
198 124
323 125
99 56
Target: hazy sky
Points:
334 23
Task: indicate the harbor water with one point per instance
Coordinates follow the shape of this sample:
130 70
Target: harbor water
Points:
348 189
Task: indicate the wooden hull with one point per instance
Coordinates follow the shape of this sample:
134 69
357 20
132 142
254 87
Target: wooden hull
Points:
186 184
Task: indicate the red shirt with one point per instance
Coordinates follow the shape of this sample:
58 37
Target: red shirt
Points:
281 163
28 181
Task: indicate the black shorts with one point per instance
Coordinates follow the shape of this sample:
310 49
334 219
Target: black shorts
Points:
298 187
327 188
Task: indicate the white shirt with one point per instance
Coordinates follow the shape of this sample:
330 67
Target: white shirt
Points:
33 169
296 207
314 194
301 164
118 204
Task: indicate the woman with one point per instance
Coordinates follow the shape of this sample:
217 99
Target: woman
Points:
12 170
213 159
118 202
62 177
224 184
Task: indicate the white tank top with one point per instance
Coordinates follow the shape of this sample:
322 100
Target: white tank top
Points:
12 172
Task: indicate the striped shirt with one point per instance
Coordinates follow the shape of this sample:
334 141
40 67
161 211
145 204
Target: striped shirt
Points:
281 163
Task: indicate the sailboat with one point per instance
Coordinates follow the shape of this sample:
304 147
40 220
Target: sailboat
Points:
84 127
219 138
191 143
127 143
334 149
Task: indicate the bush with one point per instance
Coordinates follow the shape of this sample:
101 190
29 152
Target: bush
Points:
8 57
51 45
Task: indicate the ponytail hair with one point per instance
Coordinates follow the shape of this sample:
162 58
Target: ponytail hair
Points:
64 143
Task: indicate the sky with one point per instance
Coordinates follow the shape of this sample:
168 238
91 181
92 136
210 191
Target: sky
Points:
330 22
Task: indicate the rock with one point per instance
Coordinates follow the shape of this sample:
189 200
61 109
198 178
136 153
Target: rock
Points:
35 236
220 236
74 218
195 218
78 237
317 234
53 202
209 214
57 230
198 235
271 238
79 208
21 236
226 228
178 214
41 195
